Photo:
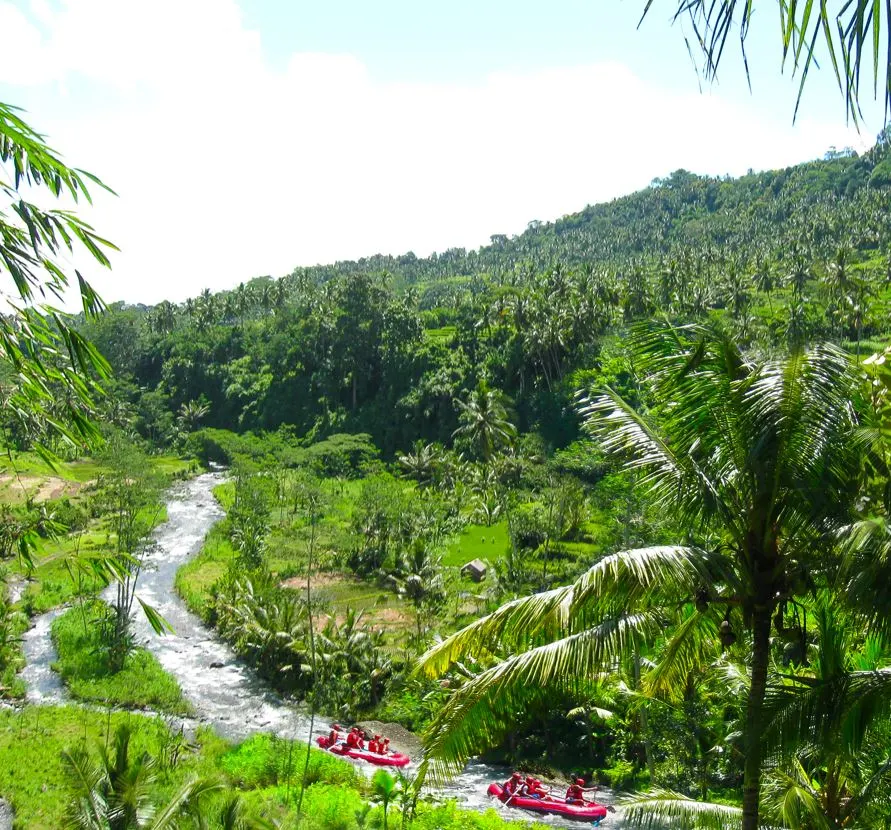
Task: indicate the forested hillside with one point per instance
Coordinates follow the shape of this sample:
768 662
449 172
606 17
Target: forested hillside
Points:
385 345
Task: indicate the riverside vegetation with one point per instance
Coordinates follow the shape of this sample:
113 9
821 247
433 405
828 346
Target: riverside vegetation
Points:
661 423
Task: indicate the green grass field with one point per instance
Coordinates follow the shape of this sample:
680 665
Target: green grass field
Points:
35 781
478 542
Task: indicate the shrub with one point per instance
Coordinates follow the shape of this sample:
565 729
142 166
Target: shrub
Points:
582 459
342 454
331 807
262 761
620 775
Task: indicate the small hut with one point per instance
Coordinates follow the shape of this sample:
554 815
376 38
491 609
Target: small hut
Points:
475 569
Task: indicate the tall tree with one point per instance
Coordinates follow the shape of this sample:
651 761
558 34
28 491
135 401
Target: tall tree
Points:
485 421
757 457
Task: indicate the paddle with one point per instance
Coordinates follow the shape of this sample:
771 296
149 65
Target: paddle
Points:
511 795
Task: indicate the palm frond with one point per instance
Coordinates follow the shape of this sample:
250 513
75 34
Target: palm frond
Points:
511 626
88 809
874 791
634 575
691 645
480 712
659 809
189 793
790 796
837 712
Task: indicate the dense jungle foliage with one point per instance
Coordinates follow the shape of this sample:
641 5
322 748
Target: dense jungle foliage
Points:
384 346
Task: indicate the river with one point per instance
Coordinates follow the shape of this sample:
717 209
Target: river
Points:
224 692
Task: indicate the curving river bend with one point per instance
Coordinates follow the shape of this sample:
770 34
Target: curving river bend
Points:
231 698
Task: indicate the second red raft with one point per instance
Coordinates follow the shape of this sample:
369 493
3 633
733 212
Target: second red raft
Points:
588 811
391 759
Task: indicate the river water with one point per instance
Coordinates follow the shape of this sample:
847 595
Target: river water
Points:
224 692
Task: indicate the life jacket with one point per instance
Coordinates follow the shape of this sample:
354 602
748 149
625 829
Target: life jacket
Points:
373 746
352 740
575 793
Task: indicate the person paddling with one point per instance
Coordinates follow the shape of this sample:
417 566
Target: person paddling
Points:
533 788
575 794
512 785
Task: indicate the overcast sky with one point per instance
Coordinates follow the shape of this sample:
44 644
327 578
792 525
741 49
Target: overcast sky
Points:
247 138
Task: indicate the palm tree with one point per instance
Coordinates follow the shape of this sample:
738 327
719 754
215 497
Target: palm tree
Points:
419 579
485 420
115 792
756 457
191 414
826 741
828 728
420 464
384 789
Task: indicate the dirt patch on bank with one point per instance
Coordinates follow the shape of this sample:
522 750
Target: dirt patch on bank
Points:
319 581
401 739
39 488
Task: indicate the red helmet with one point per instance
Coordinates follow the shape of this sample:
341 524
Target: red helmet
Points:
516 775
580 781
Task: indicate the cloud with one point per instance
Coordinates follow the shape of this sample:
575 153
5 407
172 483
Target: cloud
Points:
228 168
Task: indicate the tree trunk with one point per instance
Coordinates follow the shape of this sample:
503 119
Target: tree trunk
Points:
644 721
312 652
754 716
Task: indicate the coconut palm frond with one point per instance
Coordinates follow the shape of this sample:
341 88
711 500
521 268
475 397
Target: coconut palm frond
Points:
479 713
88 808
791 797
692 644
840 709
874 792
865 570
659 809
634 575
188 794
513 625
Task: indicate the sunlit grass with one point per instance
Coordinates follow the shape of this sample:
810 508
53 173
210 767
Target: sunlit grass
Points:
142 683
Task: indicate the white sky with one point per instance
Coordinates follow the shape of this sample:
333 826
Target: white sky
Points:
229 165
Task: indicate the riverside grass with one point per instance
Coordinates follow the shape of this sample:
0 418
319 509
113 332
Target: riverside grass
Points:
141 684
33 778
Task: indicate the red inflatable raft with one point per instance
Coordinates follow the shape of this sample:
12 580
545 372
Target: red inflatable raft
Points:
589 811
391 759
